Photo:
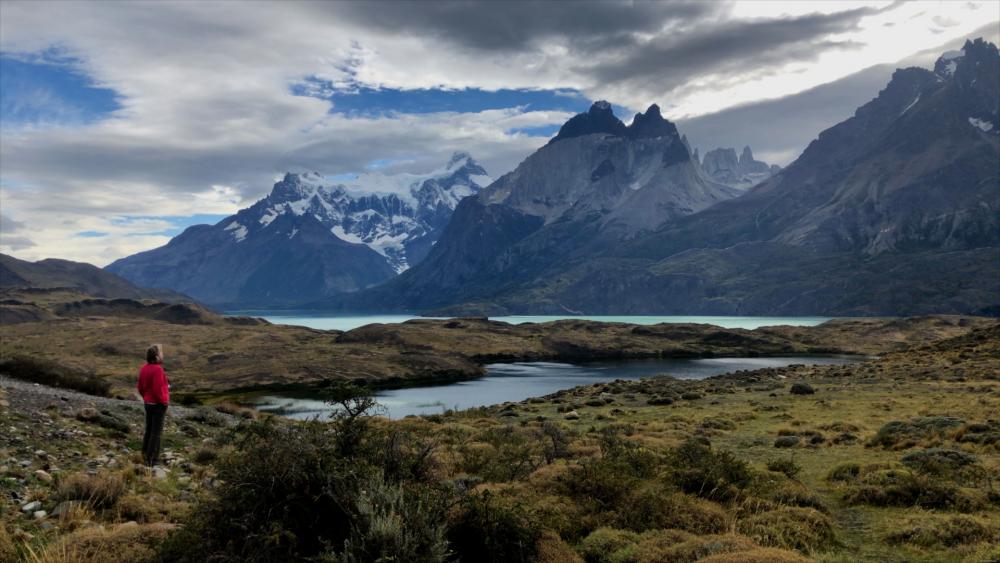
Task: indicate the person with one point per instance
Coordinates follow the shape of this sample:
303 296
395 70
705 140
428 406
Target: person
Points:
154 388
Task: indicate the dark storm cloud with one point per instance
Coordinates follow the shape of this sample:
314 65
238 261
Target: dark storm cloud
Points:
779 130
671 60
518 26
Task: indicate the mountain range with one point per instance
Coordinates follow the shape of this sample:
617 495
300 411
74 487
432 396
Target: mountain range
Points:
723 166
310 238
893 211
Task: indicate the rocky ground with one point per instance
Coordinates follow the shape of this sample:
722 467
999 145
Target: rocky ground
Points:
53 440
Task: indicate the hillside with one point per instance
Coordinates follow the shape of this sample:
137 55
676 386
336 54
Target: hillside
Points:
86 279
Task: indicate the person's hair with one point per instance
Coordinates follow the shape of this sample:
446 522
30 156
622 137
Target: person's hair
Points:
153 354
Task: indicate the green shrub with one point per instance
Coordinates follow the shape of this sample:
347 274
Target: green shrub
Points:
697 469
511 454
903 487
606 481
291 491
791 493
938 461
393 524
804 529
652 507
844 472
931 531
903 434
601 545
489 529
700 547
786 466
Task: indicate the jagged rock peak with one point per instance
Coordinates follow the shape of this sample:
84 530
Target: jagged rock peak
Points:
746 157
600 118
650 125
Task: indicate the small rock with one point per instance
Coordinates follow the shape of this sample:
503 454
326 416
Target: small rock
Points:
31 506
161 472
39 514
43 476
572 415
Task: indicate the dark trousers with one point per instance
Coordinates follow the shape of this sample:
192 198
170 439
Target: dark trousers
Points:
154 429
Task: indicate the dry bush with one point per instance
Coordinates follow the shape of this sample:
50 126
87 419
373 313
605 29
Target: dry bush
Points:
101 491
8 552
204 455
934 531
804 529
700 547
759 555
137 508
127 543
552 549
652 507
76 514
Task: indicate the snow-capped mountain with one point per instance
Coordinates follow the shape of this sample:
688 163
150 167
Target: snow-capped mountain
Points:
399 216
310 237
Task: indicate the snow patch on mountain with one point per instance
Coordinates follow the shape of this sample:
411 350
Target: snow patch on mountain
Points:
980 124
399 215
238 231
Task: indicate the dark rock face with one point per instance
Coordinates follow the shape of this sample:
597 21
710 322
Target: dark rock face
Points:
598 119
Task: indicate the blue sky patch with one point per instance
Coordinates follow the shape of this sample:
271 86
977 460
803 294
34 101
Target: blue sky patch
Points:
379 101
49 87
177 224
91 234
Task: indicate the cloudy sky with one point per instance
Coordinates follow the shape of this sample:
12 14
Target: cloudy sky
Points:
122 123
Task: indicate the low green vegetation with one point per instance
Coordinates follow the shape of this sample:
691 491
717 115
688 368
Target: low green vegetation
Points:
896 459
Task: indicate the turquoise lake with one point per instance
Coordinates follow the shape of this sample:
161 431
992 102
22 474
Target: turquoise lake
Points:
331 322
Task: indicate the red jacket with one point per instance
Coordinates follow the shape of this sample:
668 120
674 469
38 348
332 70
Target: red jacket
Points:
153 384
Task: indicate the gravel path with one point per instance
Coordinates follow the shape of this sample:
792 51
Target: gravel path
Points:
27 397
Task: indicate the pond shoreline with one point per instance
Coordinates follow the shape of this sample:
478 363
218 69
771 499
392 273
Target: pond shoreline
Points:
519 381
314 389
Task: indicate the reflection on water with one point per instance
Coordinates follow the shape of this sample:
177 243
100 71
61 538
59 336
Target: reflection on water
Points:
519 381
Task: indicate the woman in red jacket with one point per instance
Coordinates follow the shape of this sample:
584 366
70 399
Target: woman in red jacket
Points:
155 391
